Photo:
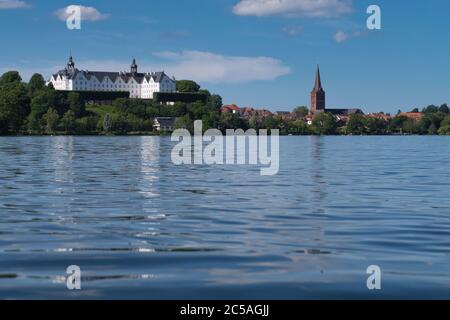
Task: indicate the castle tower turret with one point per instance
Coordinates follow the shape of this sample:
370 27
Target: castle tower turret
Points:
70 64
134 67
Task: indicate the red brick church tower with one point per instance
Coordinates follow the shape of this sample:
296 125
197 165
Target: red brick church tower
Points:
318 95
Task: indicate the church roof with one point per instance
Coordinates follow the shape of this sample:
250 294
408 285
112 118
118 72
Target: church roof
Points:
344 112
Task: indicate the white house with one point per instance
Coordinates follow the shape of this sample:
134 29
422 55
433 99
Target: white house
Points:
139 85
164 124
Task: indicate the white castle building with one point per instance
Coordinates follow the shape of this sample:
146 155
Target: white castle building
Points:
139 85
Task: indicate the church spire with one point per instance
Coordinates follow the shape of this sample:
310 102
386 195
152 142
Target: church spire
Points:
318 95
318 84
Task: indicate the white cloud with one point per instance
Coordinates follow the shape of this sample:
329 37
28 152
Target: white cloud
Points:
307 8
204 67
87 13
13 4
342 36
215 68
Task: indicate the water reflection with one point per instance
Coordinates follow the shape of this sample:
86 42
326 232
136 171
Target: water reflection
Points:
317 172
150 166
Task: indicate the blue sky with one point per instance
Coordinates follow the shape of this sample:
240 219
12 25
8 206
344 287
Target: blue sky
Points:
260 53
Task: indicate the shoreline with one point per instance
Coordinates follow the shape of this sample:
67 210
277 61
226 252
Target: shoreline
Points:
168 135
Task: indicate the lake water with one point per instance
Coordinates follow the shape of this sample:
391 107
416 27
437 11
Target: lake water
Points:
140 227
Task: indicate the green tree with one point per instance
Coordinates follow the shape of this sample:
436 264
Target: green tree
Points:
375 126
445 126
51 118
184 122
254 122
34 124
187 86
410 126
396 124
324 124
215 101
444 131
14 107
198 109
444 109
87 125
120 124
45 99
9 78
301 112
36 83
107 123
122 104
432 129
430 109
445 121
356 124
68 122
431 122
230 121
211 120
76 104
298 127
271 122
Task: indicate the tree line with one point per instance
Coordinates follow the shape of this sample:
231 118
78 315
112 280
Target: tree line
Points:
35 109
434 120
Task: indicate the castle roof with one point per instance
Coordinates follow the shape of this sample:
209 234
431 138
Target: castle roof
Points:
70 72
113 76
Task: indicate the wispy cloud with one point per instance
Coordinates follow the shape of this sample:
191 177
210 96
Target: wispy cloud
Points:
87 13
13 4
216 68
292 8
201 66
342 36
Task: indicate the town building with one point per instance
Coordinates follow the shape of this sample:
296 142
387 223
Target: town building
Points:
162 124
139 85
416 116
232 108
248 112
382 116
